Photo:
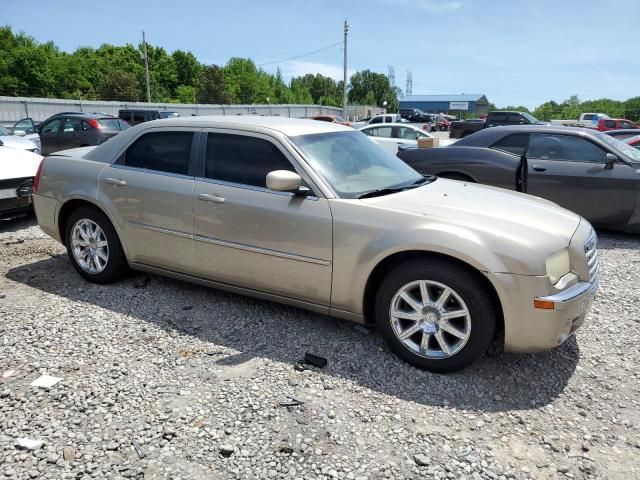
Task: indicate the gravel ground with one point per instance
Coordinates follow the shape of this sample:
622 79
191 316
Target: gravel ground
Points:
163 379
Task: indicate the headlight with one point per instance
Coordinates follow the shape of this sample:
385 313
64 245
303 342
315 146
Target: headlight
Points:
558 265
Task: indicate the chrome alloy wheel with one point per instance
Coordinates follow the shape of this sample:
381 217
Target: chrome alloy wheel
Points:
430 319
89 246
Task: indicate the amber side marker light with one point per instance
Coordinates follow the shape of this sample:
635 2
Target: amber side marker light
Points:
544 304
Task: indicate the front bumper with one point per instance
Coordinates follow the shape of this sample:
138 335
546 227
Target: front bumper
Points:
531 329
538 315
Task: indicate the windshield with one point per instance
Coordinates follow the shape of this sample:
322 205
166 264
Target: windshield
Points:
3 131
353 164
530 117
628 151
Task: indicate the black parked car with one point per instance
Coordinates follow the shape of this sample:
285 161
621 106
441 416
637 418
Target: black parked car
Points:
415 115
71 130
135 116
583 170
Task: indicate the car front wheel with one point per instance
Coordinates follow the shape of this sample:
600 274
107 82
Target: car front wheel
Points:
437 315
93 246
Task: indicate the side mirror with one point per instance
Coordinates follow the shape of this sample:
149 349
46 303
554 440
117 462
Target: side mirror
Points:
285 181
610 160
19 133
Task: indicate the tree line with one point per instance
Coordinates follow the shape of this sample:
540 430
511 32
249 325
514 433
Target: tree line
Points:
110 72
573 107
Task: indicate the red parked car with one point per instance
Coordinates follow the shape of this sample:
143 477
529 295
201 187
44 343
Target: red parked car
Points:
332 119
605 124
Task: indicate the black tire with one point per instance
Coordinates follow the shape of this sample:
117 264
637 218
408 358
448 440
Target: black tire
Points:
456 176
465 283
116 265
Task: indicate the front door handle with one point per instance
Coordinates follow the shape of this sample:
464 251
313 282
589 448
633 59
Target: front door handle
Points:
115 181
205 197
539 168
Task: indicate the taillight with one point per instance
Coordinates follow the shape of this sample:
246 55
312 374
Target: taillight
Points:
36 179
94 123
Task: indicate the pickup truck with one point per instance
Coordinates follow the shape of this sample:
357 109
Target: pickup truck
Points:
587 120
464 128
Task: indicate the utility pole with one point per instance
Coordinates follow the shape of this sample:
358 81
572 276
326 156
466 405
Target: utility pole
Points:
146 66
344 76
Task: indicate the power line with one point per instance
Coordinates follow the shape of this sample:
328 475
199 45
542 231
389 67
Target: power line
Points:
301 56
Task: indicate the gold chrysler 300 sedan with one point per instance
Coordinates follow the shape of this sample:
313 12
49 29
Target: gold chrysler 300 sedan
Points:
316 215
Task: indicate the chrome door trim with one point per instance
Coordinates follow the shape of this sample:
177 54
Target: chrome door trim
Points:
153 172
168 231
245 186
263 251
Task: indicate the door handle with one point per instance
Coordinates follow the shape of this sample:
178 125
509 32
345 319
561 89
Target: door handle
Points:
205 197
115 181
539 168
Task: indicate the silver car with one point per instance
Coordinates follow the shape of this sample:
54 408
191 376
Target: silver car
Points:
314 214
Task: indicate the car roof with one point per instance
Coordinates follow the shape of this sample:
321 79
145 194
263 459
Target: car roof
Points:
623 131
394 124
495 133
284 125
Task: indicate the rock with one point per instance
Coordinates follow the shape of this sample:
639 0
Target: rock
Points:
421 460
69 454
226 449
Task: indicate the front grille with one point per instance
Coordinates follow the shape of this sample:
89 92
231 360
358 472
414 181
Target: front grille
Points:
591 252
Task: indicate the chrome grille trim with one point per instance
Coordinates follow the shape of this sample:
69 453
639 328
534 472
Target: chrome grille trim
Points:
591 252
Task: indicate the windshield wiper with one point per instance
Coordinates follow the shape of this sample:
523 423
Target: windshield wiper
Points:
386 191
381 191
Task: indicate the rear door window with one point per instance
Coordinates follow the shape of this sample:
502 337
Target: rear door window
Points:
72 125
383 132
138 117
610 123
516 144
161 151
376 120
242 159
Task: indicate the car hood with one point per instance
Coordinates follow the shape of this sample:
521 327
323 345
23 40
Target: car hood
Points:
13 141
497 212
17 163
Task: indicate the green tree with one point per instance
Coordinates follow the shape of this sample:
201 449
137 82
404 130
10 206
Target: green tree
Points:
119 85
213 87
378 84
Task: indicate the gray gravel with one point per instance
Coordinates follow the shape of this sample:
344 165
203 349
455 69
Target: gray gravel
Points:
163 379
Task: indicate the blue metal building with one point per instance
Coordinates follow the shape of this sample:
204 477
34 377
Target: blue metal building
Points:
450 104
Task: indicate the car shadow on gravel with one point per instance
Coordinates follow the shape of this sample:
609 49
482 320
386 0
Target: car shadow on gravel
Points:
255 328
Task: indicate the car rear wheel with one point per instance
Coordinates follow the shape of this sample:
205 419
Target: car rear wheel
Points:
436 315
93 246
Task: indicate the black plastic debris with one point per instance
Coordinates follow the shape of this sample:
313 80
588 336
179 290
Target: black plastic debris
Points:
314 360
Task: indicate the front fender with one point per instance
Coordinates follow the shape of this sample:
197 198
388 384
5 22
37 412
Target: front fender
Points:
358 249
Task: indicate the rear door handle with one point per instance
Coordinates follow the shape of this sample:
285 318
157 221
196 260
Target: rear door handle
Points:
539 168
205 197
115 181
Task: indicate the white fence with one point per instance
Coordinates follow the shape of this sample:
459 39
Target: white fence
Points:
13 109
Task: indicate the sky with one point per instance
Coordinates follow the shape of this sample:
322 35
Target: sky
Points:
521 52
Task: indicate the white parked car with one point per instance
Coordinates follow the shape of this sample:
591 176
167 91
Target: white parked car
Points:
392 136
21 142
17 170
